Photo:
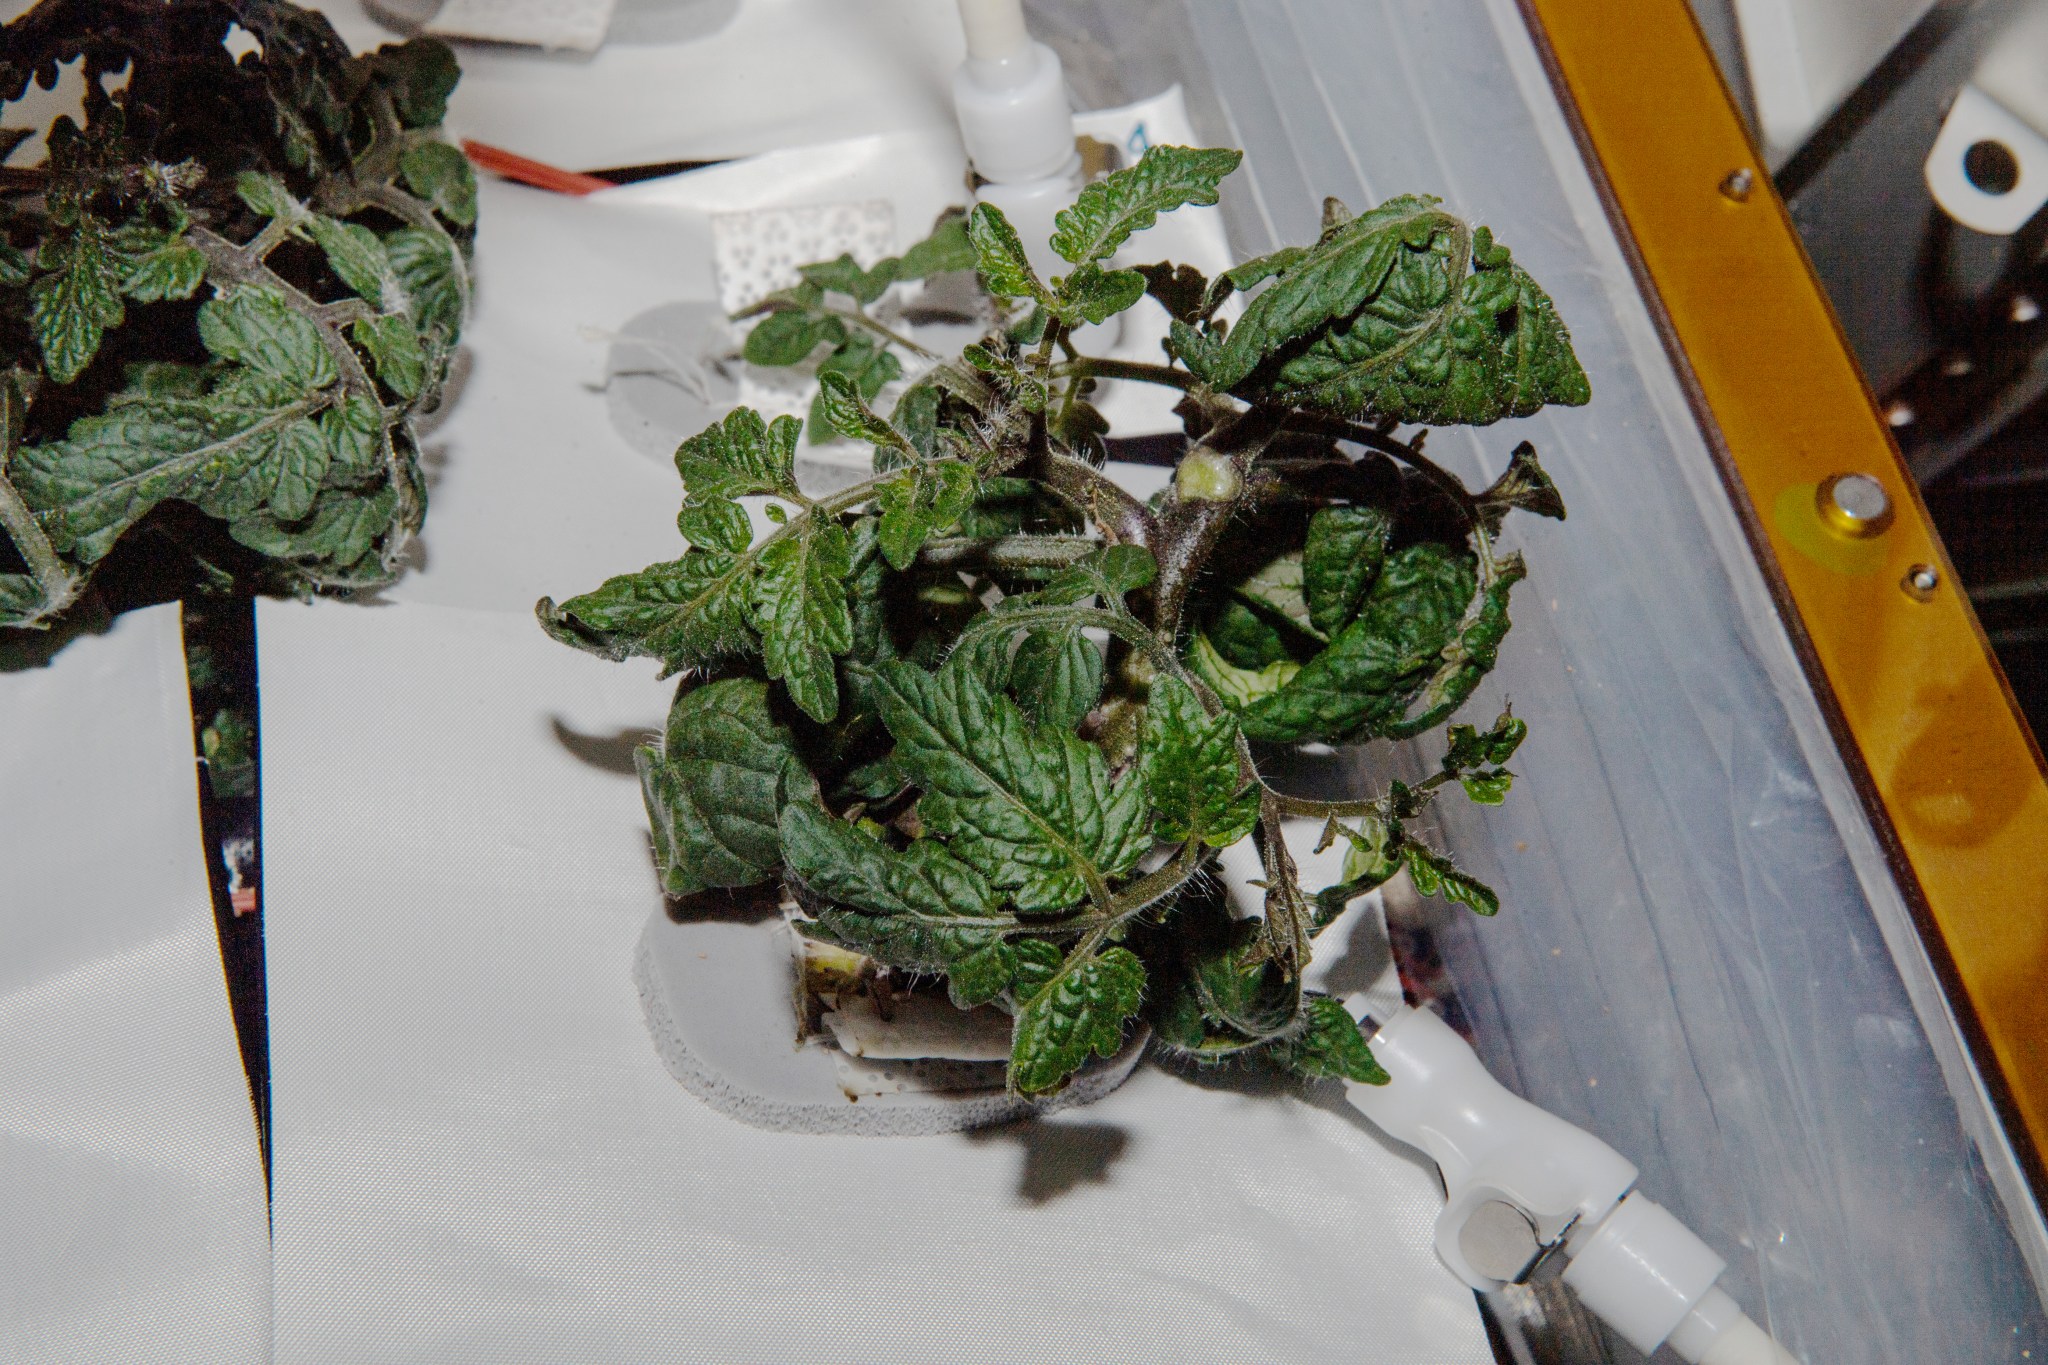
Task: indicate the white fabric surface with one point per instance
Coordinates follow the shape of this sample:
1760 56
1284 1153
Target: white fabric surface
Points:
703 80
132 1220
480 1157
577 24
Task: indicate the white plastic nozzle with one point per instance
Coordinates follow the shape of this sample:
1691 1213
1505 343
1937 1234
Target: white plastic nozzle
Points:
1717 1332
1517 1179
1011 98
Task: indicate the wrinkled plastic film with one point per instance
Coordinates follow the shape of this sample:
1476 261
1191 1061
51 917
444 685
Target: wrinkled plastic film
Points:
1701 956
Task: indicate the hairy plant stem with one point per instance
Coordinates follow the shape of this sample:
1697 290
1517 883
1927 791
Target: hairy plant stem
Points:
56 583
1372 438
1122 519
1097 367
1296 419
1006 552
1289 920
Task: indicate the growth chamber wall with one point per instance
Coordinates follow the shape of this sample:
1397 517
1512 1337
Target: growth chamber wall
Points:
1773 921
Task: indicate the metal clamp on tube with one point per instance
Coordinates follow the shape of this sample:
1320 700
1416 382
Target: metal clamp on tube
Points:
1519 1180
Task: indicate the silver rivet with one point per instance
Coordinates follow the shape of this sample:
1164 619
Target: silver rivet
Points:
2024 309
1738 183
1854 504
1499 1241
1899 413
1920 582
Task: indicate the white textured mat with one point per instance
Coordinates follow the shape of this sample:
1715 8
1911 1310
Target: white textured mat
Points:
481 1158
131 1188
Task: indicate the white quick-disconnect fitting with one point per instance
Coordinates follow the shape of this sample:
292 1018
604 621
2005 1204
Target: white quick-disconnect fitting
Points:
1011 99
1519 1179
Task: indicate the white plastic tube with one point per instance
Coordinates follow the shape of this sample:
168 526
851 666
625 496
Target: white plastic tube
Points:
1010 97
1503 1159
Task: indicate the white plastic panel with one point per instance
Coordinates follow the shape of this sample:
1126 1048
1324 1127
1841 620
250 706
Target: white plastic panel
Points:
132 1218
1701 956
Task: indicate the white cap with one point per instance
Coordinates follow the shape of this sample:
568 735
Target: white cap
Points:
1011 97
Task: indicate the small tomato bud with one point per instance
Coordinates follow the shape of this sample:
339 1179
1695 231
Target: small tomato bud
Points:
1205 476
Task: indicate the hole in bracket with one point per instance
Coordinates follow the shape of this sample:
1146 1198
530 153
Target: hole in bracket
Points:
1991 166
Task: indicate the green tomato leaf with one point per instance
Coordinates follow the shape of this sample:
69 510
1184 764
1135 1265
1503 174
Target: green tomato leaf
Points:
789 335
716 524
173 270
72 306
859 358
1489 788
739 456
800 610
1328 282
846 414
845 276
687 613
358 258
1523 485
1330 1046
425 263
342 530
1080 1012
1436 875
302 456
1374 855
441 175
1346 546
1235 683
1093 295
923 909
352 429
1130 200
395 350
1189 761
947 249
420 74
15 266
1402 313
1032 810
1109 573
232 452
254 326
717 786
999 255
1471 747
928 500
1467 659
1362 683
1057 677
267 196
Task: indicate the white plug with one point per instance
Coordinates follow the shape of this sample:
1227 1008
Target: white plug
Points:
1519 1179
1010 96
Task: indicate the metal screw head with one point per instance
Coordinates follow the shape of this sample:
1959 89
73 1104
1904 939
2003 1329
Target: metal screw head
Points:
1899 413
1920 582
1854 505
2023 309
1738 183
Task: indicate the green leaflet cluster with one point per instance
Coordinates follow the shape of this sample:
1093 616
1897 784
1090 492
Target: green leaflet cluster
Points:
988 718
248 333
